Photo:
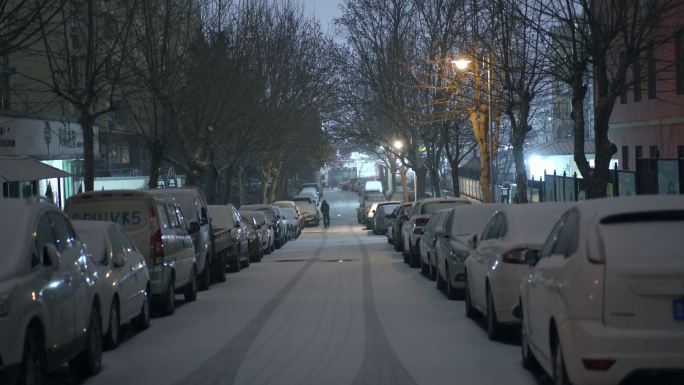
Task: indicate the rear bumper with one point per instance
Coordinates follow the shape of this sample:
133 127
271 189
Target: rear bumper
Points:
634 351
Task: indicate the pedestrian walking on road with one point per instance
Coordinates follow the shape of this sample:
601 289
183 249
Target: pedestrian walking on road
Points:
325 209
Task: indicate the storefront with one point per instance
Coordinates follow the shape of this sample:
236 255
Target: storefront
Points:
52 140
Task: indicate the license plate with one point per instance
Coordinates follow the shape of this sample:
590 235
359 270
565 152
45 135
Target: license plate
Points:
678 307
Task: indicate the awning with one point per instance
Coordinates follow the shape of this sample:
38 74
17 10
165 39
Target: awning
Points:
23 168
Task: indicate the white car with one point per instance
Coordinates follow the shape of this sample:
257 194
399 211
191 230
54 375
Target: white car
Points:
49 304
124 281
604 300
495 268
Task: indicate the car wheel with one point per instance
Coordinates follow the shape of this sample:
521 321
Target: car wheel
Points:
32 370
432 271
112 338
190 292
493 325
235 265
423 268
441 283
470 310
205 278
451 291
528 359
89 361
560 374
245 264
142 321
169 301
395 243
414 256
219 268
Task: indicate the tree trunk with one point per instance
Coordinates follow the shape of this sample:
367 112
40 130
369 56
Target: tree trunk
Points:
228 176
421 181
157 155
86 122
241 187
434 181
265 179
404 182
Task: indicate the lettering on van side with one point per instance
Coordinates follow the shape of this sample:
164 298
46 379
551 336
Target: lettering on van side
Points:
123 218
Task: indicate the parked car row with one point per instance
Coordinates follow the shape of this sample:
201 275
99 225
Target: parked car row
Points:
593 287
69 280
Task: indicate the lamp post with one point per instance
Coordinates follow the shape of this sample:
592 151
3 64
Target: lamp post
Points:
462 65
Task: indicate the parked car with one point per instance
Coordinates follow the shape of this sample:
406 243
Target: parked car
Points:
418 218
496 267
264 228
282 225
373 185
380 219
194 206
292 223
227 218
316 187
274 219
311 193
49 304
255 244
398 219
457 241
124 281
298 214
426 247
603 302
365 203
309 210
159 231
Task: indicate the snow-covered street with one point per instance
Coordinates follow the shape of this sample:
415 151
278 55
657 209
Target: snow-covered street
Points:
336 306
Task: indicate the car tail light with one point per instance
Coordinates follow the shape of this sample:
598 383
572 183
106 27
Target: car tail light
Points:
516 256
600 258
598 365
157 248
422 221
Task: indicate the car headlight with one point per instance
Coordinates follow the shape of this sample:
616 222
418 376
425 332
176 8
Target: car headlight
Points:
6 301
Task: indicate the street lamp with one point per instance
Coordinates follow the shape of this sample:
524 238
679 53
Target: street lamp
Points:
462 65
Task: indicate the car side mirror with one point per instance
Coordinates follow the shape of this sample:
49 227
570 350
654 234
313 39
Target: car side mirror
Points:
531 257
119 260
472 241
193 228
51 256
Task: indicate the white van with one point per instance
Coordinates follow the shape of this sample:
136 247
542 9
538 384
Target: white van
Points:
156 225
373 185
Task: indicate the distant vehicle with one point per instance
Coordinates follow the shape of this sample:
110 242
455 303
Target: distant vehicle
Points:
313 193
266 232
412 230
373 185
157 227
309 210
603 302
226 218
398 220
315 186
496 267
50 310
274 219
124 280
365 203
380 220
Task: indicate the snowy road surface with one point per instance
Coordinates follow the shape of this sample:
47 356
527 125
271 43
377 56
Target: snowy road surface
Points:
336 306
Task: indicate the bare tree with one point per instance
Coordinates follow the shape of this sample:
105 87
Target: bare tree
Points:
598 41
84 47
22 21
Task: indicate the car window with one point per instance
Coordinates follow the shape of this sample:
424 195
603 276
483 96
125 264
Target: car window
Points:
500 226
173 219
182 223
550 242
118 247
43 237
568 237
487 231
65 238
449 220
163 217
